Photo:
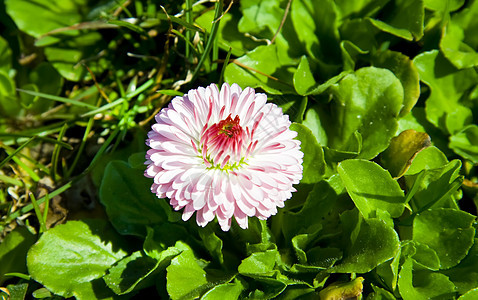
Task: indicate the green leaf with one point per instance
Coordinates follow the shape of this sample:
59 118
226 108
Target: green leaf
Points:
212 243
436 186
259 263
5 56
9 104
465 274
367 101
470 295
406 71
403 19
130 205
371 188
447 231
360 8
316 24
162 236
13 250
228 34
225 291
443 5
80 253
185 278
417 285
447 85
318 205
313 161
17 291
428 158
48 15
136 271
300 243
256 68
455 50
402 150
465 143
67 55
374 243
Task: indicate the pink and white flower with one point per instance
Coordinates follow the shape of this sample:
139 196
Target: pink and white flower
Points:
222 154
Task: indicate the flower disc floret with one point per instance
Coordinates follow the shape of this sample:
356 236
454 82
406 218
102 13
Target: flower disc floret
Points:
223 153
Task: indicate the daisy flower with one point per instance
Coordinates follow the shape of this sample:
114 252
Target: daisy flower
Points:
223 153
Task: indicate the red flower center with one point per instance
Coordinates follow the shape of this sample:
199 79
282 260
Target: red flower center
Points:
222 142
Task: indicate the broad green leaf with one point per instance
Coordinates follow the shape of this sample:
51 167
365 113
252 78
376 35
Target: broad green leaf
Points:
455 50
49 15
224 291
17 291
316 24
268 288
374 243
67 55
406 71
303 77
388 271
48 81
77 254
27 100
314 122
371 188
185 278
259 263
403 19
466 18
436 186
447 85
300 243
260 19
380 294
130 205
426 257
318 204
402 150
369 102
305 83
443 5
350 54
428 158
418 285
313 161
470 295
465 143
361 33
360 8
447 231
212 243
292 105
263 68
5 56
465 274
323 257
129 272
228 34
13 250
138 271
161 237
9 104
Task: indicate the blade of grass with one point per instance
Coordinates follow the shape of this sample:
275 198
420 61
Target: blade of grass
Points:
102 150
226 62
19 137
38 213
212 37
56 153
10 180
29 207
9 157
59 99
47 206
81 148
189 20
22 165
